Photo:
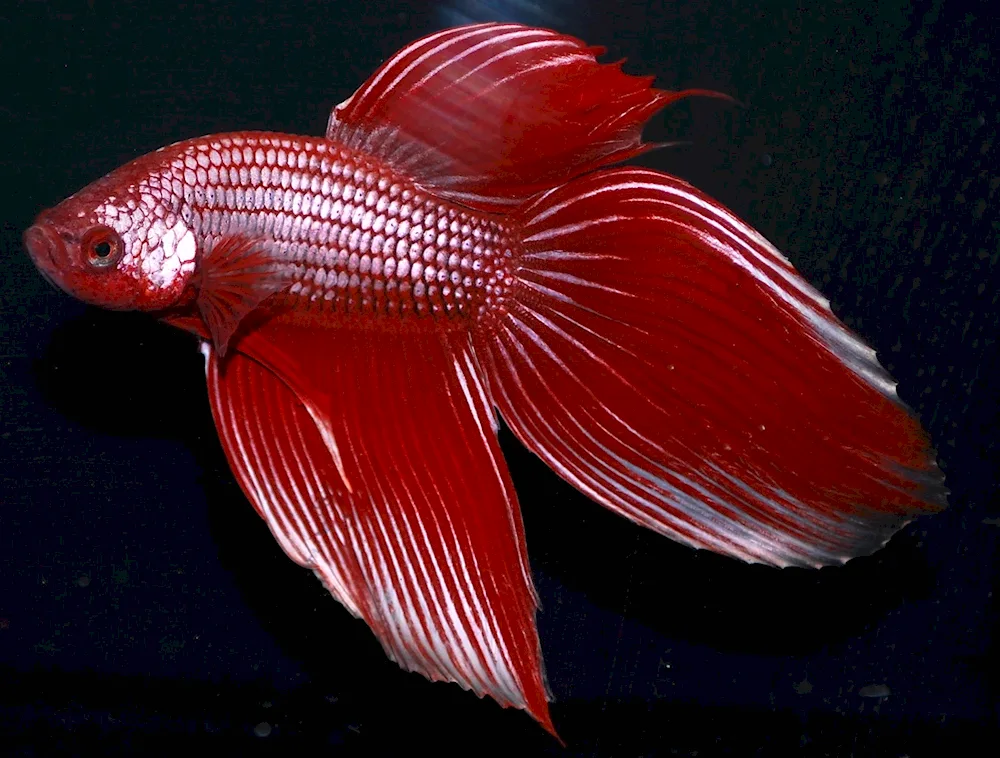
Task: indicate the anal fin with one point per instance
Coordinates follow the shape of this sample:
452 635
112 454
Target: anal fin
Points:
374 462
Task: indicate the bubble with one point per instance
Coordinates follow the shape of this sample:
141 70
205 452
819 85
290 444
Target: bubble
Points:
263 729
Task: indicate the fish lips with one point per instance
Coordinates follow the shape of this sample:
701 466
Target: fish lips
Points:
47 251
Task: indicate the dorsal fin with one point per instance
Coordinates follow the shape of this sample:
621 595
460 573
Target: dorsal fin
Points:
489 114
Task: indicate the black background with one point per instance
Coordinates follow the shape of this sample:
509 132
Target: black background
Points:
144 607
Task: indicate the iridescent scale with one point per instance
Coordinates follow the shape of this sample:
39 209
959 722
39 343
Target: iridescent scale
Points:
358 238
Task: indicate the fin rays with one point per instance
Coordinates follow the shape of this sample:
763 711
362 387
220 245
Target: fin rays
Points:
427 546
670 363
490 114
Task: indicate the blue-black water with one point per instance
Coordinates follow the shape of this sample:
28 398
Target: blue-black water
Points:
144 607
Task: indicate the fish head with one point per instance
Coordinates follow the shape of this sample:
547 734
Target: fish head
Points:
123 242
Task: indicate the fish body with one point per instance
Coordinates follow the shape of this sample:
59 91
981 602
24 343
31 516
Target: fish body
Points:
456 246
345 234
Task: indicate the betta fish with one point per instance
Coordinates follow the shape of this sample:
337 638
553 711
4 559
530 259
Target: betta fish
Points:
457 249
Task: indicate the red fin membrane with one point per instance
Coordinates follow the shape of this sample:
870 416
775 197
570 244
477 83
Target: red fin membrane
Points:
237 275
375 462
669 362
490 114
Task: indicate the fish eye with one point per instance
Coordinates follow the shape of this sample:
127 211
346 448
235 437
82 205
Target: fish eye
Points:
102 247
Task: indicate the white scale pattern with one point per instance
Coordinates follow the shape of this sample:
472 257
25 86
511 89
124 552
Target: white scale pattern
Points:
357 237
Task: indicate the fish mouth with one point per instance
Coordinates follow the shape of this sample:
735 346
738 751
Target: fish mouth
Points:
46 249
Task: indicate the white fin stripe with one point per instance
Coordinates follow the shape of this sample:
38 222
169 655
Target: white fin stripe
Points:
738 241
432 648
462 643
444 607
543 345
286 537
328 566
583 474
385 602
265 496
413 49
578 226
489 649
597 463
834 336
297 543
573 52
795 517
490 639
438 49
491 645
680 326
710 214
672 186
561 276
561 314
564 255
317 490
688 504
487 409
500 479
391 593
546 41
279 495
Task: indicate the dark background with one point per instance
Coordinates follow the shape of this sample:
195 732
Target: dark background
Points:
144 607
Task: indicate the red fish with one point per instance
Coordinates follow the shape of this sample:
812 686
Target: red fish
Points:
456 246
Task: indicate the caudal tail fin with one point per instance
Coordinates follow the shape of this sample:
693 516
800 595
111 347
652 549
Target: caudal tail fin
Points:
665 359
